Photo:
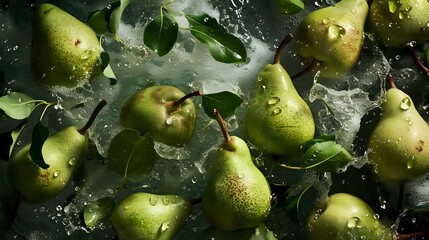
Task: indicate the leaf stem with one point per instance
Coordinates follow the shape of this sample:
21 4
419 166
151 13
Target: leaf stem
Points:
93 116
314 63
44 110
417 60
222 125
280 48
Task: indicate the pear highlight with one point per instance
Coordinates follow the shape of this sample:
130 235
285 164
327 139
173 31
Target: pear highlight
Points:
65 51
237 195
333 36
278 120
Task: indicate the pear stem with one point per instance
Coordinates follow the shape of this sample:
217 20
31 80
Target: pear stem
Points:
177 103
417 60
391 81
222 125
280 48
93 116
314 63
33 4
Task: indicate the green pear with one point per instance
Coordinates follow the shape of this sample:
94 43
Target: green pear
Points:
163 111
398 22
64 151
237 195
399 143
150 216
343 216
278 120
65 51
333 36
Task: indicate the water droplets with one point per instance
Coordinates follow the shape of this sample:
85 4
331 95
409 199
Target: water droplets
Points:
277 111
354 222
273 101
336 31
325 20
393 6
56 173
166 200
72 161
153 200
170 120
405 104
240 175
411 163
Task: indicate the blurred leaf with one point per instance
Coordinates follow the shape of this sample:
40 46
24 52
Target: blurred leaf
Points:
292 205
160 34
40 134
17 105
323 138
290 7
326 157
224 102
107 70
224 47
132 155
98 210
15 134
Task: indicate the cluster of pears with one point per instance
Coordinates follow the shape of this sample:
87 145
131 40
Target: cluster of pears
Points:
63 151
65 51
148 216
399 144
163 111
278 120
237 194
333 36
398 22
343 216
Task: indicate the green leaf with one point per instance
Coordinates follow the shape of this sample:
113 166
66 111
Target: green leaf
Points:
326 157
107 70
17 105
160 34
115 17
323 138
290 7
224 47
132 155
97 210
224 102
292 205
97 21
40 134
15 134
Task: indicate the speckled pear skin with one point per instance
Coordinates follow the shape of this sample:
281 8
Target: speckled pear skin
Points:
64 151
148 216
397 22
64 51
399 144
237 195
147 111
278 120
333 35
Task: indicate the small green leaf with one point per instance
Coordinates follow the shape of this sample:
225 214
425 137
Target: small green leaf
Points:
97 21
40 134
15 134
224 47
160 34
290 7
326 157
97 210
224 102
132 155
115 17
323 138
107 69
17 105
